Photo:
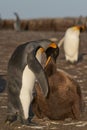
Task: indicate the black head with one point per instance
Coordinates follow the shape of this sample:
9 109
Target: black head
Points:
82 28
53 52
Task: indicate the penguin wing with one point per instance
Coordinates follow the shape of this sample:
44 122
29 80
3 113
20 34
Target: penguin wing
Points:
39 72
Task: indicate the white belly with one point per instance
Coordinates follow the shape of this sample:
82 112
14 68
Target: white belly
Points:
26 97
71 47
28 81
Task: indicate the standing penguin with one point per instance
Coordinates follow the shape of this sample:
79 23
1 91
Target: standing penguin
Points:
23 69
71 43
17 23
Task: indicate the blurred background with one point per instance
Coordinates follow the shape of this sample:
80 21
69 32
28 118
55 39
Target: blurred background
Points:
43 8
46 14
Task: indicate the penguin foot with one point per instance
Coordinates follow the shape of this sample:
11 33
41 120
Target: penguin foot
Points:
10 119
29 122
71 63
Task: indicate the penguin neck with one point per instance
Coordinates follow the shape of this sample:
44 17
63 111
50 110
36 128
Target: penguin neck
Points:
73 32
39 55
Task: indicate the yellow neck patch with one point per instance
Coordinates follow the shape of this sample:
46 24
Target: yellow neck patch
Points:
78 27
40 50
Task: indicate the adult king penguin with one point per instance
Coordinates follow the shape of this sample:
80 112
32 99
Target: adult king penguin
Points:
23 69
71 43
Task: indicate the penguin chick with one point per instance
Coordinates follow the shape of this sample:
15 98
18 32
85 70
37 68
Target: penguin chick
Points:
64 99
23 69
71 43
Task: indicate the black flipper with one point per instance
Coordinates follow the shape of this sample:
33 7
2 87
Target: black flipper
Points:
37 69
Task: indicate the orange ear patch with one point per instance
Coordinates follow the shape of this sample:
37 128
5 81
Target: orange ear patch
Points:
53 45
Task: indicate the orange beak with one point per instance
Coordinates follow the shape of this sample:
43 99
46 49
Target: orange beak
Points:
48 60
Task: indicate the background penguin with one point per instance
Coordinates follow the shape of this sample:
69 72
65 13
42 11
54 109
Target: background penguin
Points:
71 43
64 99
17 23
23 69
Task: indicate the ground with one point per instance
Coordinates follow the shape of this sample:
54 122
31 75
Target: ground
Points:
8 42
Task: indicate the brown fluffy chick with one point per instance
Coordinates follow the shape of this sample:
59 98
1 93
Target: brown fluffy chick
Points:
64 99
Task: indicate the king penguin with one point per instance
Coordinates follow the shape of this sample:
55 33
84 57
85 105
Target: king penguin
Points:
71 43
23 69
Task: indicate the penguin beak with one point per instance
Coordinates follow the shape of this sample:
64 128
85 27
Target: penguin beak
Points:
52 52
48 60
38 70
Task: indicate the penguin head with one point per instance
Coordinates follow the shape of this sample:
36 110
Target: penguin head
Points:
52 52
15 13
79 27
82 28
